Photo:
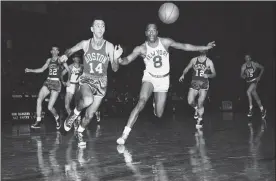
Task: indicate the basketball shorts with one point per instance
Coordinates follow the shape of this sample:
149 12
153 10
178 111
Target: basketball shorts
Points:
249 83
160 84
72 88
54 85
97 84
200 85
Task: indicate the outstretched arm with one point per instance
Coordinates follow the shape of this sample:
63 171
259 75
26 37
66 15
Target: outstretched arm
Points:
126 60
212 68
71 51
39 70
186 70
187 47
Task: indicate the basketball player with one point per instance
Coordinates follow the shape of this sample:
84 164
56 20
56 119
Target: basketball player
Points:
203 69
72 84
249 73
51 86
156 75
93 82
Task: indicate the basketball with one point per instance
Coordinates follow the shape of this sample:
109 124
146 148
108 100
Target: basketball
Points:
168 13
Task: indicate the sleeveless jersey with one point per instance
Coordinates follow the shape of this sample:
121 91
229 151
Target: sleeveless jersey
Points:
75 74
250 72
199 70
157 60
95 62
54 69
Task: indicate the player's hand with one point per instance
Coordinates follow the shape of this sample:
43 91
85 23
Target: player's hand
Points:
27 70
63 59
118 51
67 84
211 45
206 76
181 78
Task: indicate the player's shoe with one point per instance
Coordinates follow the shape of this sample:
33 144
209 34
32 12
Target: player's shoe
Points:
58 124
122 139
196 114
250 113
199 123
77 123
36 125
69 121
81 142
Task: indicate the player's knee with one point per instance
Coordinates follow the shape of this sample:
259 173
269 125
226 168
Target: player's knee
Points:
50 107
249 91
87 101
191 102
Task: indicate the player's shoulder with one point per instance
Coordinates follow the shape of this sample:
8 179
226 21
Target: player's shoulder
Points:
140 48
209 60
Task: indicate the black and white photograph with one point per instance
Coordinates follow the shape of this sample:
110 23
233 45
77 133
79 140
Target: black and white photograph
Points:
138 90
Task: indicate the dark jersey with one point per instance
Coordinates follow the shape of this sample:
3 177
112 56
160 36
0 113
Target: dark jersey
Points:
95 61
55 69
199 70
250 72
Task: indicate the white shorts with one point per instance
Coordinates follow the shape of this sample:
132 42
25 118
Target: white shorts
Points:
161 84
72 88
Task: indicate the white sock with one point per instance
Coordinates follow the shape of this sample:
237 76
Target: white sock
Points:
127 130
196 108
250 107
76 112
261 108
56 117
38 118
80 129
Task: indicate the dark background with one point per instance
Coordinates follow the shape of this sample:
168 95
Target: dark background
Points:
236 27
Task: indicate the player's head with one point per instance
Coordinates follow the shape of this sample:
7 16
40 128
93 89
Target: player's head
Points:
247 57
151 32
98 27
55 51
76 58
203 52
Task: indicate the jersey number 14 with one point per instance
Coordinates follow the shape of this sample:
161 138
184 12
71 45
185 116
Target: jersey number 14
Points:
99 68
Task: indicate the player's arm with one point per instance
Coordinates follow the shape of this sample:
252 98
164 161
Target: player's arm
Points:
113 59
64 72
212 68
186 47
131 57
71 51
39 70
260 67
242 72
188 67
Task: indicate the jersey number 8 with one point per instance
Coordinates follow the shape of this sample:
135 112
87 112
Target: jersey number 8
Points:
157 61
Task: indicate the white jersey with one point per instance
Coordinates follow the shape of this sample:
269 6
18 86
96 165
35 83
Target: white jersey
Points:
157 60
76 73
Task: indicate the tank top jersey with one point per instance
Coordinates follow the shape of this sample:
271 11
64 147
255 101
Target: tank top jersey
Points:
75 73
95 62
199 70
55 69
157 60
250 72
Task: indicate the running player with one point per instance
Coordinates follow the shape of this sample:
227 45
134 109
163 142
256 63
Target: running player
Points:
72 84
52 86
156 75
93 82
249 73
203 69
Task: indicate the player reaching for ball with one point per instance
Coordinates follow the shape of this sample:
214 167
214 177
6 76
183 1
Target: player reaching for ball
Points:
156 75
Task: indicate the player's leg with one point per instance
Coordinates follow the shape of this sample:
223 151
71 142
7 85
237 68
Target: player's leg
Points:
90 111
146 91
85 96
52 101
249 95
70 90
44 91
191 100
160 102
98 115
201 99
258 100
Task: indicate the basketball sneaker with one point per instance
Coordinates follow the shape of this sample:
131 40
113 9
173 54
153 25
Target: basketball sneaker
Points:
69 121
196 113
199 123
36 125
81 142
122 139
250 113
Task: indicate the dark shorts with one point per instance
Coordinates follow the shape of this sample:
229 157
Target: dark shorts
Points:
248 84
54 85
98 85
200 85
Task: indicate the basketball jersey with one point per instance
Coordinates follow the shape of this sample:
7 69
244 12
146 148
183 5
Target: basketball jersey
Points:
250 72
95 61
54 69
157 59
75 74
199 70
